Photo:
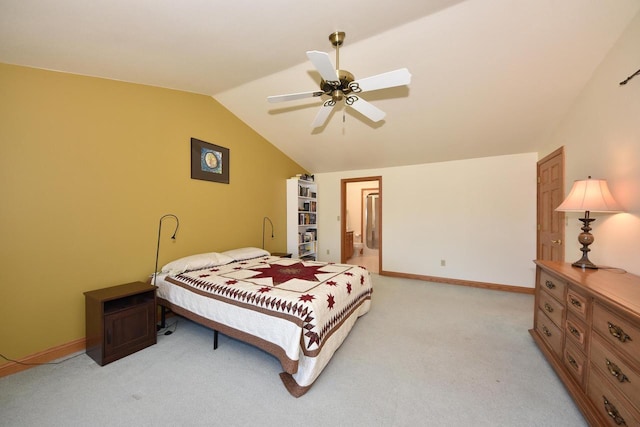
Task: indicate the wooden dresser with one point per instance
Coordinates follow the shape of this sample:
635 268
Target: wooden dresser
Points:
587 324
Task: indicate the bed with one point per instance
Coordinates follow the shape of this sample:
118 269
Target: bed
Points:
298 311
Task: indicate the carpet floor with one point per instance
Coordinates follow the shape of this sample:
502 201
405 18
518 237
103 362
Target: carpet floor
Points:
426 354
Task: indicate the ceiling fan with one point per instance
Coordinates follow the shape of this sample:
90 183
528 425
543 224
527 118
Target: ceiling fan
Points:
340 84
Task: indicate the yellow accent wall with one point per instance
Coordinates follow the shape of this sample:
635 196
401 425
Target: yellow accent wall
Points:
87 168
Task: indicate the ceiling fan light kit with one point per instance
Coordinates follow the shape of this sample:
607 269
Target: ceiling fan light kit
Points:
341 85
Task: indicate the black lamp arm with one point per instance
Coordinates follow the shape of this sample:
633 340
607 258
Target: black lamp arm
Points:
266 218
155 270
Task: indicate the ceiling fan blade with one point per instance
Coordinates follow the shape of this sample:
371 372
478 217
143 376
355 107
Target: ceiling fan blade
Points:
382 81
292 96
323 64
322 115
368 110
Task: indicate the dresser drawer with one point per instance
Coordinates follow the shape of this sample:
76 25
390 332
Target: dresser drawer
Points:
621 375
550 333
552 284
552 308
609 403
577 304
576 363
576 332
622 334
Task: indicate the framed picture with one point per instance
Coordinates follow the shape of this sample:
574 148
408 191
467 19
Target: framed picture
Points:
209 162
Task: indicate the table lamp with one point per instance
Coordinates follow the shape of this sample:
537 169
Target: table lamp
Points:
588 195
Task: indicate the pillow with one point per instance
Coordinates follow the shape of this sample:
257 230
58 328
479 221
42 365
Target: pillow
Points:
196 262
241 254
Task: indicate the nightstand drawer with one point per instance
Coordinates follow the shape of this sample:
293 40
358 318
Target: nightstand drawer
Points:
553 285
620 333
550 333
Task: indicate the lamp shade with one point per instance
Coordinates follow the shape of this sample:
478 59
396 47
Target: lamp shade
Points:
591 195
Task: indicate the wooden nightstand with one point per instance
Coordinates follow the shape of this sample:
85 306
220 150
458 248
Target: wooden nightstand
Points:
120 320
282 254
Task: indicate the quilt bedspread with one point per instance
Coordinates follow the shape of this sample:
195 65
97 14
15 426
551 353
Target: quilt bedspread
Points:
317 297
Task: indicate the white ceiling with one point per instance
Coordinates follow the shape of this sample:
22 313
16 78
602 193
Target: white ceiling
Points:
489 77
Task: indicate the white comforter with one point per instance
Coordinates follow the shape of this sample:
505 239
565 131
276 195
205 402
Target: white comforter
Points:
299 311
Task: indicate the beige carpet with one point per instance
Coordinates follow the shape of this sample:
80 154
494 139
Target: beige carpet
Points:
426 354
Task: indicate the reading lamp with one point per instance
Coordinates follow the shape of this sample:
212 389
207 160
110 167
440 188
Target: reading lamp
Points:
589 195
266 218
155 271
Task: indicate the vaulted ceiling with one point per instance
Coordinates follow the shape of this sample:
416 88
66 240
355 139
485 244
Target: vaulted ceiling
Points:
489 77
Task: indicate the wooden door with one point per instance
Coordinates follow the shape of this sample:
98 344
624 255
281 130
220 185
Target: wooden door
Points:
550 236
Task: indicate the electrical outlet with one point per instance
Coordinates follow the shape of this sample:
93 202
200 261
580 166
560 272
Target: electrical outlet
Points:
443 263
327 251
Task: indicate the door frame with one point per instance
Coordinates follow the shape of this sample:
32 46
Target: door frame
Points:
343 214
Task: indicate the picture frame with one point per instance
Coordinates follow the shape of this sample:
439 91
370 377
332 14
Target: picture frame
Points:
209 162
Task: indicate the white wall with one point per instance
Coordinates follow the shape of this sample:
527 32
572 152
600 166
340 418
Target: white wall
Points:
479 215
601 136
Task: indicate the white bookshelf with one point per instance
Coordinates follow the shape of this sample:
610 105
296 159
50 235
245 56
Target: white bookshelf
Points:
302 219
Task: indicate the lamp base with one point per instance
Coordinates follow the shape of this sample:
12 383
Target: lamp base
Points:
586 238
585 263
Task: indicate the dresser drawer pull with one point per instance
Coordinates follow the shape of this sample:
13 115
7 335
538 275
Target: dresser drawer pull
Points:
572 361
549 284
548 307
574 332
617 332
616 372
546 331
575 302
613 412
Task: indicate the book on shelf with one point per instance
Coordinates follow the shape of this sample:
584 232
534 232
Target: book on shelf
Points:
305 191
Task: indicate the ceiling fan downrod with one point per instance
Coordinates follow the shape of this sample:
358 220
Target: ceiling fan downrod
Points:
340 88
336 40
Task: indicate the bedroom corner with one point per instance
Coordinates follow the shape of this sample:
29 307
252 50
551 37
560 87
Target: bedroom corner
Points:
88 167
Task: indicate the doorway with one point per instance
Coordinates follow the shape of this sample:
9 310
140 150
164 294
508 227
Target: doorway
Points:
361 222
